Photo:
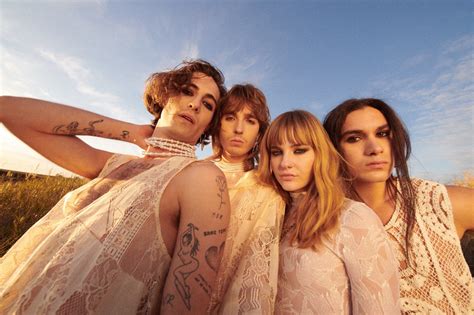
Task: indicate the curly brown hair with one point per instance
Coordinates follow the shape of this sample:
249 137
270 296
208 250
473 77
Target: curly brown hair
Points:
160 86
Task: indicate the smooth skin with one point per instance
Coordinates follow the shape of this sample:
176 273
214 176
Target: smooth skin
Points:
365 144
292 165
51 130
238 134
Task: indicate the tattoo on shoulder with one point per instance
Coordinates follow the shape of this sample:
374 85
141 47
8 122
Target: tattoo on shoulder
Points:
203 284
168 300
188 248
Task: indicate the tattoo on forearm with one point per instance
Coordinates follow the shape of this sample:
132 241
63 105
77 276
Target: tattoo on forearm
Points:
213 256
203 284
189 246
73 129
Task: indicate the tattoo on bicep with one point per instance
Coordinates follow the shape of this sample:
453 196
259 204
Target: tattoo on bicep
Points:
213 256
73 129
203 284
222 186
168 300
189 246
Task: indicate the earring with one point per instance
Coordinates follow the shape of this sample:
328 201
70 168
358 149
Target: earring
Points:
202 140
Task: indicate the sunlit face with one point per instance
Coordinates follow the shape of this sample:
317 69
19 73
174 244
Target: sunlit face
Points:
365 144
187 115
238 134
292 165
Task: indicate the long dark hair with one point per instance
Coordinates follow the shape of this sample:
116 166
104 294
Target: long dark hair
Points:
401 150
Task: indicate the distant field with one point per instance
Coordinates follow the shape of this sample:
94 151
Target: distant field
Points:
25 198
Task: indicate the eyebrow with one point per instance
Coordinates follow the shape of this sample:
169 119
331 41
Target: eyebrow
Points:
206 95
359 131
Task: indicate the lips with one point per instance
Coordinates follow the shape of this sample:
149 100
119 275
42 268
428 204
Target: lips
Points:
237 141
377 164
286 176
188 117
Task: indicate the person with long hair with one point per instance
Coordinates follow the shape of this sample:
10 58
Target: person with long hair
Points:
247 279
424 220
335 257
137 238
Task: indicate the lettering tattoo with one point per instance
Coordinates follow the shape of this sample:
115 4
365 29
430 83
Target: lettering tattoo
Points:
189 246
73 129
213 256
214 232
203 284
222 186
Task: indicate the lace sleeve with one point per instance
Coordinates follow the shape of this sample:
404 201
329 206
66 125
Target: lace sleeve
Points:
370 264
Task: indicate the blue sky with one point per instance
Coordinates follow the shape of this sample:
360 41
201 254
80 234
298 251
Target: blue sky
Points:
416 55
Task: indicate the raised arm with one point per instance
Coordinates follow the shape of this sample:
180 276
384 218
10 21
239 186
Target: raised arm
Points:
371 266
51 130
204 216
462 200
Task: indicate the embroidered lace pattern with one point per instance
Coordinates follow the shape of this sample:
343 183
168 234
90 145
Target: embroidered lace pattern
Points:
247 278
437 280
99 250
353 273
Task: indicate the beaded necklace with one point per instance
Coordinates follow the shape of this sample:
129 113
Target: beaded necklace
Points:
173 148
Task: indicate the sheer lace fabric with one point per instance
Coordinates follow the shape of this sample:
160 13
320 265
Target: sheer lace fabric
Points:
99 250
353 273
437 280
247 278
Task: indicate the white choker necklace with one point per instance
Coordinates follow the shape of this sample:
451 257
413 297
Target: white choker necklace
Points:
228 167
173 148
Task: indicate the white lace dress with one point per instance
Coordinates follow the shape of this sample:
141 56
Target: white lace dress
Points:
437 280
247 279
354 273
99 250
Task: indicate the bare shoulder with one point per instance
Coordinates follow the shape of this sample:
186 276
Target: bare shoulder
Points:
200 172
458 194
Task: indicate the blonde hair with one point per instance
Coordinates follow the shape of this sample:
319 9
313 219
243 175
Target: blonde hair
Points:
318 213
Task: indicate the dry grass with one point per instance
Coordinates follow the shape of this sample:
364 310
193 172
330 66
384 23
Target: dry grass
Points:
25 198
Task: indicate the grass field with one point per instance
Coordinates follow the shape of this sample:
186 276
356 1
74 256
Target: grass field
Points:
25 198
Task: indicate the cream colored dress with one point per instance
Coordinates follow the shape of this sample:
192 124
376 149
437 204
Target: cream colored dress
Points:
247 279
99 250
353 273
437 280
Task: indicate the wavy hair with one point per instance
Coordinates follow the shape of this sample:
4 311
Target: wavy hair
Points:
317 214
160 86
239 97
401 150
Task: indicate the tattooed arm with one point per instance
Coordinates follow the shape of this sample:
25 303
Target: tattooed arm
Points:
204 216
51 130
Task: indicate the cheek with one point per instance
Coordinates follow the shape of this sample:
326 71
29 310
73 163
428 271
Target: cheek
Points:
274 162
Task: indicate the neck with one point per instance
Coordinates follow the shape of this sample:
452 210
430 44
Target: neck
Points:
233 159
296 197
229 166
377 197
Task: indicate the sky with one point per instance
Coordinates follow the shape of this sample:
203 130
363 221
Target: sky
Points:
96 55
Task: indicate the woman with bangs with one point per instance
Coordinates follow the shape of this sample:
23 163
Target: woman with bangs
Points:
247 279
334 254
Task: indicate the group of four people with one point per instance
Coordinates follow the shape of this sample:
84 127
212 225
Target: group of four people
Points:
263 226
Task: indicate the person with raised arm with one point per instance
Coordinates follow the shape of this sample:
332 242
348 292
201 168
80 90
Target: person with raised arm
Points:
247 279
141 235
424 220
335 257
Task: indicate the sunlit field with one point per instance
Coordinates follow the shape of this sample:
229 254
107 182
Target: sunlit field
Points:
25 198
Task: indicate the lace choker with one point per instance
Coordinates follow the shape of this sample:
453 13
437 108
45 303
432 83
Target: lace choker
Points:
173 148
228 167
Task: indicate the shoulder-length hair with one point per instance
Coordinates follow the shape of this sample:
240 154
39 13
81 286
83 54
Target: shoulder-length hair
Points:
160 86
400 146
239 97
318 213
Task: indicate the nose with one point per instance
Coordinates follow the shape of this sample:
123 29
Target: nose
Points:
239 126
194 104
373 147
286 161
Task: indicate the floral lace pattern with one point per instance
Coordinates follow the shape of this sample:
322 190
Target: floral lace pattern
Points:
355 272
247 278
436 278
99 250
